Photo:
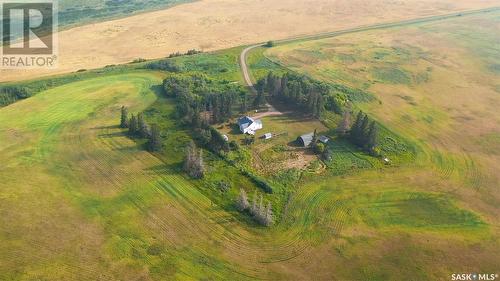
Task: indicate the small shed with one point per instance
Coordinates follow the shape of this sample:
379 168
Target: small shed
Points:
305 140
324 139
267 136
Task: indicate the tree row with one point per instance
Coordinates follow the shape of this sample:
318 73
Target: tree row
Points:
260 213
302 92
137 127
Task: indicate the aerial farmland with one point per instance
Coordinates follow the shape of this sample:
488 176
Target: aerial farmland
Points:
210 140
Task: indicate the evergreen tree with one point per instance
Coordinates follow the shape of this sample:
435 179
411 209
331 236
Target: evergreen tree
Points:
270 83
320 105
154 143
261 85
143 128
217 141
124 117
372 136
242 202
133 126
277 86
311 102
259 99
345 123
244 104
269 44
364 131
285 92
356 128
284 85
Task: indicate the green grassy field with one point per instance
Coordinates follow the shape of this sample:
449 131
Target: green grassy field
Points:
79 200
435 85
73 13
96 206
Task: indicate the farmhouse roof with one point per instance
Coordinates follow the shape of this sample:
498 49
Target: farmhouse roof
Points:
244 126
245 120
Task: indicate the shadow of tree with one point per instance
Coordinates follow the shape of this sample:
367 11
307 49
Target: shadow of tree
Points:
106 127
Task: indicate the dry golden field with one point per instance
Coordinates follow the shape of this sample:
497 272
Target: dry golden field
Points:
219 24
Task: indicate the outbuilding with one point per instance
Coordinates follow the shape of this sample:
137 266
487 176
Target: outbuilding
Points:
267 136
324 139
305 140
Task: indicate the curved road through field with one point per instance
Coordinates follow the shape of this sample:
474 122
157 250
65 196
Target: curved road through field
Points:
273 111
243 56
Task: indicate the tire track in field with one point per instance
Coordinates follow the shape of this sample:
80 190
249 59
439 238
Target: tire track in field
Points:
80 152
191 200
94 143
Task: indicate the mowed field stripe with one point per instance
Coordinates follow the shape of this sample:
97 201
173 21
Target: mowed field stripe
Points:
89 159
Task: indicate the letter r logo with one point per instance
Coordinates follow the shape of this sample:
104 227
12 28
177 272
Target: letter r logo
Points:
27 27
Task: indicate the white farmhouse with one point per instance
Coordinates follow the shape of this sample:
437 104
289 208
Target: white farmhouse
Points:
248 125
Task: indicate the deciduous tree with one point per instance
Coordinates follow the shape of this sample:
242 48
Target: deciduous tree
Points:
268 217
193 162
242 202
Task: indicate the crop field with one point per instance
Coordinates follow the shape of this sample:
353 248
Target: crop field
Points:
211 25
73 12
